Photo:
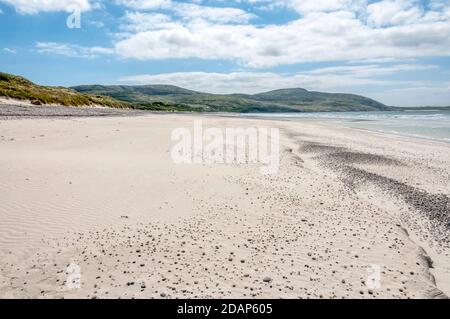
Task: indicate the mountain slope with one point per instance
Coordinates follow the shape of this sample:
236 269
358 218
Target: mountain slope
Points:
286 100
16 87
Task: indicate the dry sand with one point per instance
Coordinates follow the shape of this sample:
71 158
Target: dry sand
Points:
104 193
10 108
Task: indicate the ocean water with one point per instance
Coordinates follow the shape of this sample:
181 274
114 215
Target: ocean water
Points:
430 124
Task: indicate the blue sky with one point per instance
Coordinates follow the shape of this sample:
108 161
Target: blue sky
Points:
396 51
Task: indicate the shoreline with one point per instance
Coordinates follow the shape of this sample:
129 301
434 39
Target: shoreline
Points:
338 205
23 110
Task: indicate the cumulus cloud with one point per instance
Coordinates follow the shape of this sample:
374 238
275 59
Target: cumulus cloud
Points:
319 37
36 6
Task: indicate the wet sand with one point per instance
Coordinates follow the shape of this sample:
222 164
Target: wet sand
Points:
104 194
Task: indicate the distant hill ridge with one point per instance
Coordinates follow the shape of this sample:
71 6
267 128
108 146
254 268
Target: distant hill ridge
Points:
284 100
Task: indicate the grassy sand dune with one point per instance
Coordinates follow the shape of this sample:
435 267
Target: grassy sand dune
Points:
18 88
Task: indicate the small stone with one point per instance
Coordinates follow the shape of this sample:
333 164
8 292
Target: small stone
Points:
267 279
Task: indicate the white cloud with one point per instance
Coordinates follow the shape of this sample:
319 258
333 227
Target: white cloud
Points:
36 6
394 12
140 22
190 11
221 15
9 50
317 37
70 50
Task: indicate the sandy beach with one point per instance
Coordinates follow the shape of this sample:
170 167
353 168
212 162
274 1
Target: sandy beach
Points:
103 194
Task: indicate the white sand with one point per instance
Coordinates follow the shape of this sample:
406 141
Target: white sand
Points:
7 101
104 193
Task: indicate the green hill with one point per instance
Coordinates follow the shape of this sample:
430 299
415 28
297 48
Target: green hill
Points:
309 100
287 100
16 87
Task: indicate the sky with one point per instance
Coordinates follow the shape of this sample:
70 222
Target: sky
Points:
395 51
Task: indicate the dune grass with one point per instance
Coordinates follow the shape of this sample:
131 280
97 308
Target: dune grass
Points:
19 88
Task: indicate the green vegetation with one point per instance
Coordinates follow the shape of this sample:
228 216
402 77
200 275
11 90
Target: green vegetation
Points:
288 100
16 87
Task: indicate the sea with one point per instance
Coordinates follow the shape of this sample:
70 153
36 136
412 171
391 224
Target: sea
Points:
429 124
